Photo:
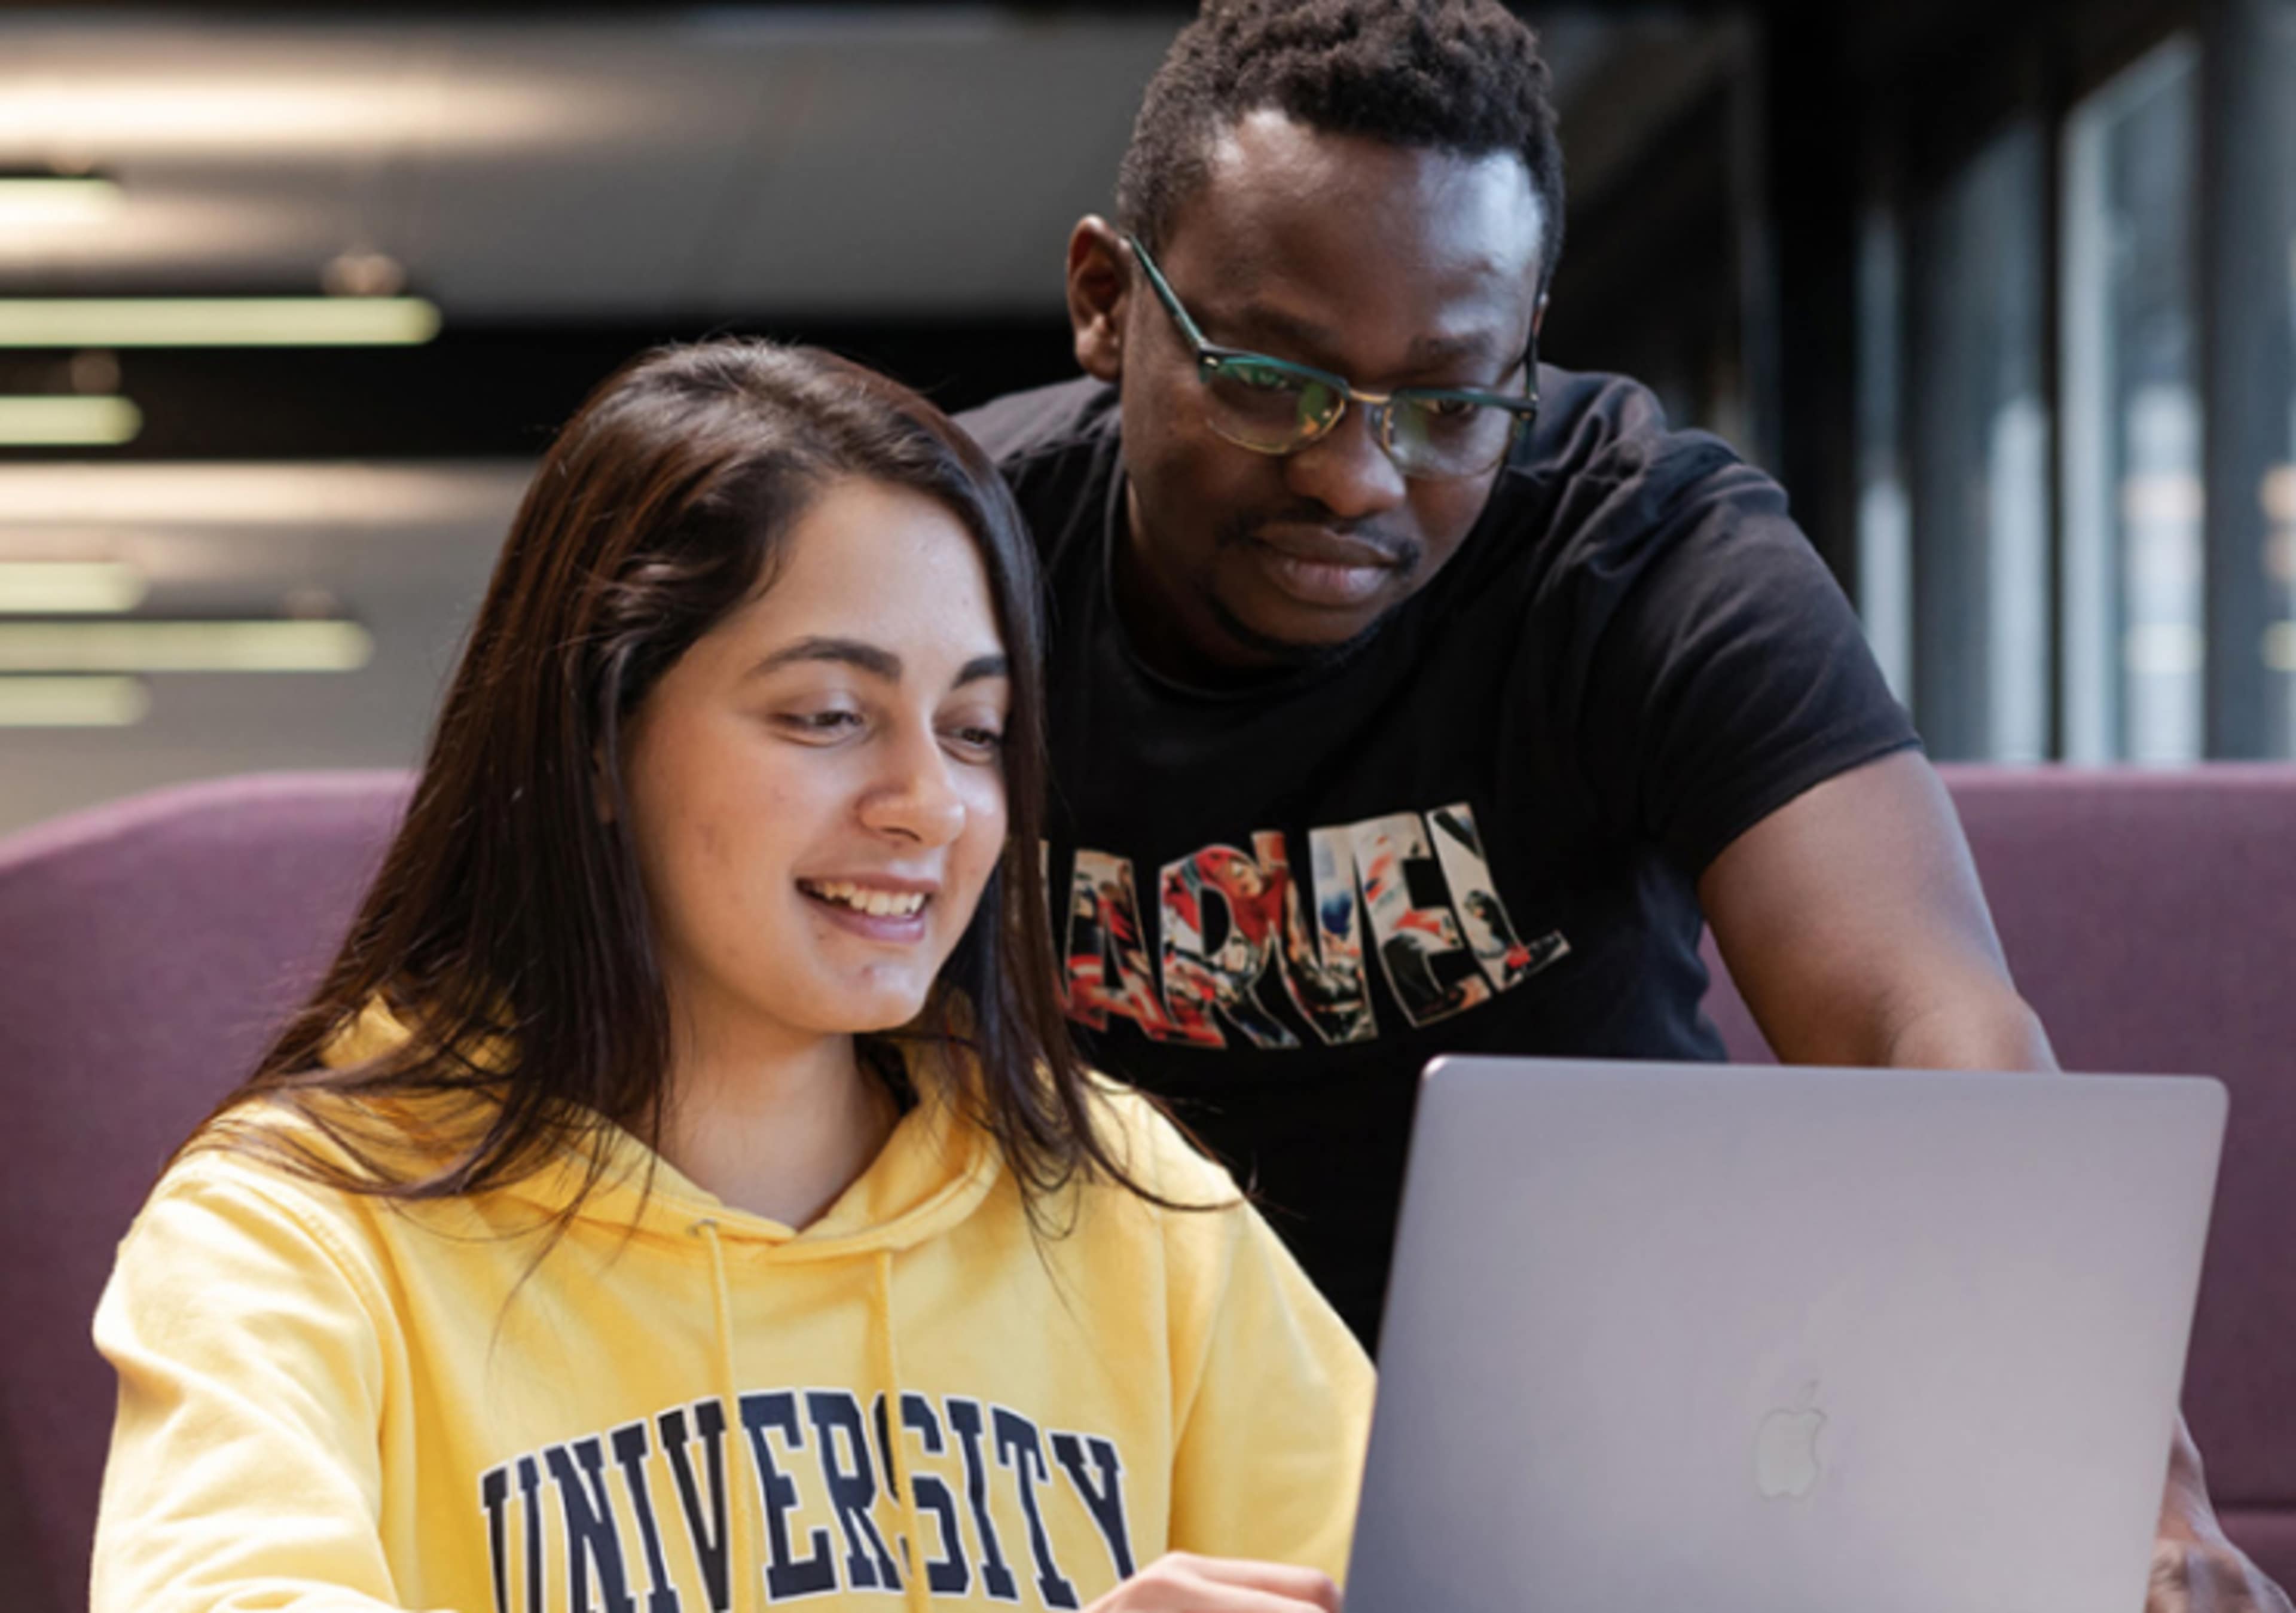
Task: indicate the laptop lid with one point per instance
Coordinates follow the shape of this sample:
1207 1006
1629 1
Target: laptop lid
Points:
1783 1340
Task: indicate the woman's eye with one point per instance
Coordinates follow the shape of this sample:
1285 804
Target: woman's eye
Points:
822 724
979 740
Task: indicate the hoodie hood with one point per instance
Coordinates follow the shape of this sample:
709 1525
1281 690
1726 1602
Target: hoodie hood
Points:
934 1170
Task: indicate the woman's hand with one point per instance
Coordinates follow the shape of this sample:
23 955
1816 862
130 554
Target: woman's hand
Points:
1182 1583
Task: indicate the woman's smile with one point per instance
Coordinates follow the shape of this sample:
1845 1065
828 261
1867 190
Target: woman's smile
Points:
875 910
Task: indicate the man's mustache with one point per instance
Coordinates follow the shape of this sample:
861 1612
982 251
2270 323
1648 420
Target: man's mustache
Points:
1395 550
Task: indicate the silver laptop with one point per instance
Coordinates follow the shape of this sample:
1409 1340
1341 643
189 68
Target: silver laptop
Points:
1757 1341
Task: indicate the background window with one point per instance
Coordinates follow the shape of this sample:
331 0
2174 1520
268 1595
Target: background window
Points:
1981 481
2133 578
2247 256
1885 537
2278 490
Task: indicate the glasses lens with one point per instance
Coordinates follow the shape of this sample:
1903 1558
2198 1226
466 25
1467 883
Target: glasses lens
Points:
1448 436
1267 406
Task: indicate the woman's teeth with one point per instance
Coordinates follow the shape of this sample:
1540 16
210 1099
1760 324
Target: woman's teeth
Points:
877 904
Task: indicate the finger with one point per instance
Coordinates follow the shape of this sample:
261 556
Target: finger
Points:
1174 1590
1279 1579
1185 1595
2169 1588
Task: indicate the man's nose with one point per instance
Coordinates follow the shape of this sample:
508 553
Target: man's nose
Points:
1347 471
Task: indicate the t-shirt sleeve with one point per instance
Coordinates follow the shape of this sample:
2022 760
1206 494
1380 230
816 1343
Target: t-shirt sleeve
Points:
1271 1394
1732 674
245 1467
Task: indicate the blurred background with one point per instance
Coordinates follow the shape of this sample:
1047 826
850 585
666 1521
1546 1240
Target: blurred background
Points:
289 299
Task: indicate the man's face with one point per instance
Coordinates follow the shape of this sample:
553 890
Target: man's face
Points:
1388 266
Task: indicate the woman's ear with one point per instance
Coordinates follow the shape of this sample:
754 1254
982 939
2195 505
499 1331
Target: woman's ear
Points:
1099 291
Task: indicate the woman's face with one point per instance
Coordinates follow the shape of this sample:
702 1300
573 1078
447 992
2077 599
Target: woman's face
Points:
816 788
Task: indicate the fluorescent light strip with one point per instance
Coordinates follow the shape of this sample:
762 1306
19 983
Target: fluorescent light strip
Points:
342 95
73 702
35 201
157 646
216 321
64 587
67 423
63 495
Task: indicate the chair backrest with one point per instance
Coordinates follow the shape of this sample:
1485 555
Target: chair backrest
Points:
2150 918
147 950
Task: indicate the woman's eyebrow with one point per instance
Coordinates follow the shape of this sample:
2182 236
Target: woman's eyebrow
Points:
980 667
848 651
874 660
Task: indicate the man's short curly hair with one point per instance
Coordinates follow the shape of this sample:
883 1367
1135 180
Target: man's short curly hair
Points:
1462 76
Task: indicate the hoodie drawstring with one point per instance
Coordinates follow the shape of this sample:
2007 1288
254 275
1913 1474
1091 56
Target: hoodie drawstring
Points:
888 1368
888 1374
744 1526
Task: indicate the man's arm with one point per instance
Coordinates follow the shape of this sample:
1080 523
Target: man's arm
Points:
1853 923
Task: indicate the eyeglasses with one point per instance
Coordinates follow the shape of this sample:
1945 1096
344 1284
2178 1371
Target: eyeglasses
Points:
1272 405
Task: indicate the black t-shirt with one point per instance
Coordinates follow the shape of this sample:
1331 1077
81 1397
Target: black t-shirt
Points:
1479 832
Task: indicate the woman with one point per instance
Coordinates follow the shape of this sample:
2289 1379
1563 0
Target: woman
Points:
681 1194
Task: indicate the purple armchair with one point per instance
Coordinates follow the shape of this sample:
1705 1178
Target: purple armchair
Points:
2150 918
146 950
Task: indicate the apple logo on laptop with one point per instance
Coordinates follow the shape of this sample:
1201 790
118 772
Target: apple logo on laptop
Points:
1786 1467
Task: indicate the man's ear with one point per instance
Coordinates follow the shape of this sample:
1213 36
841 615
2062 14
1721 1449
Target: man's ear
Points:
1099 286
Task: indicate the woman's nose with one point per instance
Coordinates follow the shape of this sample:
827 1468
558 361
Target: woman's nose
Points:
916 797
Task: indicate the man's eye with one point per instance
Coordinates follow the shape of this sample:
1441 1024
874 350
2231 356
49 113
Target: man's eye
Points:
1263 378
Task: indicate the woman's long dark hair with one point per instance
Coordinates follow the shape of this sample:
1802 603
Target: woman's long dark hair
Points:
508 928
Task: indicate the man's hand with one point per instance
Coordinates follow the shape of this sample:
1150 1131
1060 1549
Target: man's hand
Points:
1181 1582
2195 1569
2194 1576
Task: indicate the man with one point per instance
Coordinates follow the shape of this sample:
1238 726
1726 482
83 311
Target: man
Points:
1392 714
1378 734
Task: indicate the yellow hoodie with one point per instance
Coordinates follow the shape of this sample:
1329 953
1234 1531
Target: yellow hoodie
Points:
329 1403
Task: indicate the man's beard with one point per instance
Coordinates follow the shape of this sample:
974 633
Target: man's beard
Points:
1284 655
